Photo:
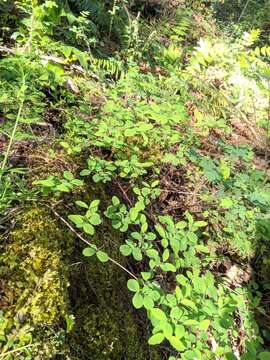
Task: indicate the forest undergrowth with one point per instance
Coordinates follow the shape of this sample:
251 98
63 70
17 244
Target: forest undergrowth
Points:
134 180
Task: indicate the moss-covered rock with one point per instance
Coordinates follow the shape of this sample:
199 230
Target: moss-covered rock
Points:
106 325
45 279
36 281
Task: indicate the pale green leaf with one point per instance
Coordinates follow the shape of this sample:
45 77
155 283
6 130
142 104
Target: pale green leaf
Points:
133 285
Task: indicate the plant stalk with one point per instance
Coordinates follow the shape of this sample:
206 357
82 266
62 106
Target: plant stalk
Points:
4 163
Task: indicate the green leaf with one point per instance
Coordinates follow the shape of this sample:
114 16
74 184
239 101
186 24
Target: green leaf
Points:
115 201
175 313
77 182
94 204
68 175
136 236
76 219
81 204
168 267
265 355
102 256
156 339
152 253
130 132
48 182
133 285
178 293
160 230
89 229
202 248
137 254
89 251
158 314
95 219
164 243
193 238
66 50
204 325
191 322
189 303
167 329
155 183
62 188
133 213
64 144
85 172
179 331
125 250
137 300
176 343
166 255
181 225
226 203
148 302
146 275
200 223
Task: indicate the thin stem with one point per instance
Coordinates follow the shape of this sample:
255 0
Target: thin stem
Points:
15 350
243 11
86 241
113 12
14 127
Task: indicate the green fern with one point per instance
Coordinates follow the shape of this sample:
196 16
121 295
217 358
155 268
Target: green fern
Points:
110 65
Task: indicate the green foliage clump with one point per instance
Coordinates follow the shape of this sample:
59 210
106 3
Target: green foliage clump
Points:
158 139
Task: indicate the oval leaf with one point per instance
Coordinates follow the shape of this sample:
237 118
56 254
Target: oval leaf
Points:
133 285
156 339
102 256
137 300
89 251
158 314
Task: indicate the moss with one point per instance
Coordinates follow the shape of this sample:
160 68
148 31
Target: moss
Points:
41 291
107 327
33 267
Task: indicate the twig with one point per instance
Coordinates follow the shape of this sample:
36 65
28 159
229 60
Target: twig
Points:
177 192
54 59
125 194
18 117
244 9
86 241
15 350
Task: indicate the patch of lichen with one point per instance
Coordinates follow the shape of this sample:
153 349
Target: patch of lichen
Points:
34 271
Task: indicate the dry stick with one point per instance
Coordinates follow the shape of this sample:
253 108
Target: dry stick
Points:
86 241
178 192
268 118
244 9
18 116
15 350
54 59
124 193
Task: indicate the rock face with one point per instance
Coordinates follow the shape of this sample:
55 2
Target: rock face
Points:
60 305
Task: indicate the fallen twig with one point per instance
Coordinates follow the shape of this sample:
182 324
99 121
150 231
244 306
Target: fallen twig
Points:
52 58
86 241
2 356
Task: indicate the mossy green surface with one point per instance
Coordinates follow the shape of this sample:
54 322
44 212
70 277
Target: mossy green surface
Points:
46 279
36 281
106 327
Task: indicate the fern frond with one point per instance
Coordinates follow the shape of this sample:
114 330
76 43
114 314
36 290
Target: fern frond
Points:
110 65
